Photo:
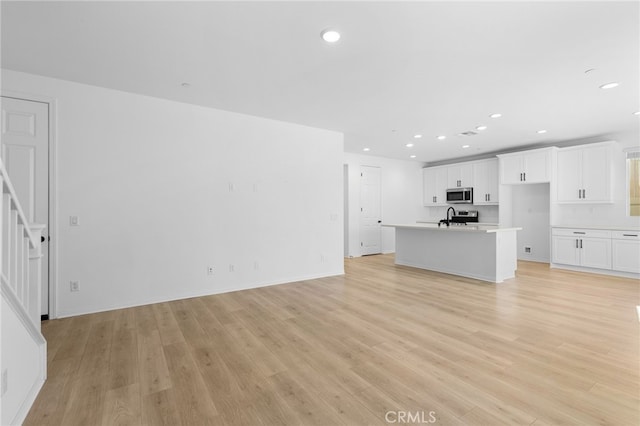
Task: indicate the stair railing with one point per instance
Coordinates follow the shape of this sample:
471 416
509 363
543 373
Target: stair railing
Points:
20 255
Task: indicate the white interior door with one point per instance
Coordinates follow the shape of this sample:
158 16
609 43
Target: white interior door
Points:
25 152
370 211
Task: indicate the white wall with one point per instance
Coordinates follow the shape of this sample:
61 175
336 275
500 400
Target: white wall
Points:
21 359
530 211
165 189
401 187
614 214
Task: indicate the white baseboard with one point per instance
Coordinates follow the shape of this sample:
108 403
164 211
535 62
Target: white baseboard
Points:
596 271
131 304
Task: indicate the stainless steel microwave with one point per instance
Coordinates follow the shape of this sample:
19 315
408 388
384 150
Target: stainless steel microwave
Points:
460 196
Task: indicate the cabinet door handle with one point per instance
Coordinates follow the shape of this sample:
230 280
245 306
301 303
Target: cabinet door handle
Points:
580 243
579 193
577 243
524 175
580 233
584 193
488 197
520 177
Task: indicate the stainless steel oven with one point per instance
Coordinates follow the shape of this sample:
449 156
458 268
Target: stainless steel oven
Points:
460 196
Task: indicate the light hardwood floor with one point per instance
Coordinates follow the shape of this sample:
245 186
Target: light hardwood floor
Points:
548 347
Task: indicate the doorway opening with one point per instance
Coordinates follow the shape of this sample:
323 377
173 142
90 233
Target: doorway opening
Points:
27 141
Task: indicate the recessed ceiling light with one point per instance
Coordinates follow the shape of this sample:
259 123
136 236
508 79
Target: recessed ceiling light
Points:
417 136
541 132
609 85
413 156
465 146
441 137
366 149
409 145
496 115
330 36
481 128
636 113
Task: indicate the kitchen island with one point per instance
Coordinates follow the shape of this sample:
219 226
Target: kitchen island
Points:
483 252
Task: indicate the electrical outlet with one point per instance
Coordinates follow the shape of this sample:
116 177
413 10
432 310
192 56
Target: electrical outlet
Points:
5 382
74 286
527 249
210 270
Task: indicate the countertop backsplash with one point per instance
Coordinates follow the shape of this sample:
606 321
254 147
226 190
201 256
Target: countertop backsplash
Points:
486 214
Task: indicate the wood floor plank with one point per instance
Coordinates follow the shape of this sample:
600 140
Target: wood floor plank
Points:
160 409
122 406
123 362
190 393
153 373
549 347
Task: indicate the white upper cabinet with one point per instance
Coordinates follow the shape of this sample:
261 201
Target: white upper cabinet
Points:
460 175
584 174
485 182
434 186
526 167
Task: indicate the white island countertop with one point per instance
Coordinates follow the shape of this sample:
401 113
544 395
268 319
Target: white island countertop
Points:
483 252
454 228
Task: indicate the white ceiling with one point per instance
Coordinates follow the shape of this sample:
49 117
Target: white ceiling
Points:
400 68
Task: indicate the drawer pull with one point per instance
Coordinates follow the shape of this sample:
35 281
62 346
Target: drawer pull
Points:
581 233
629 235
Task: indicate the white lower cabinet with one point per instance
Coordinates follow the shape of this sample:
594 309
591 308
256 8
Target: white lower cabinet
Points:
595 253
626 251
582 247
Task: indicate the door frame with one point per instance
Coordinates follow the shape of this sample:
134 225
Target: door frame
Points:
53 191
360 167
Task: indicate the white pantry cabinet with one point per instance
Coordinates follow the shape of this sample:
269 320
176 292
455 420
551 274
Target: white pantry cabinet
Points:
460 175
434 186
485 182
590 248
532 166
626 251
584 174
